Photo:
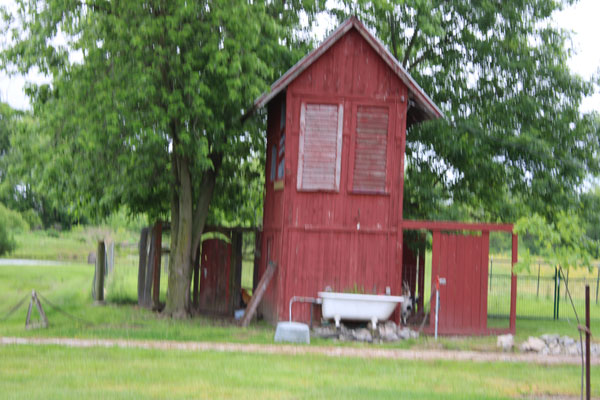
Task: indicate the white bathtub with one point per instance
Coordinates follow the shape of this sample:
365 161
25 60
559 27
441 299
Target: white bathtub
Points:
358 307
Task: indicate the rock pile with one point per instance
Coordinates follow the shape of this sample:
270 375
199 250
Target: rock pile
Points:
385 332
555 345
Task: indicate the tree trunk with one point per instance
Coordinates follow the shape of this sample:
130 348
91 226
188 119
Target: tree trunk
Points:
187 225
178 298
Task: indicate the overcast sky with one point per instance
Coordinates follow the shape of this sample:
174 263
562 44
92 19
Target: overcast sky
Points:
582 19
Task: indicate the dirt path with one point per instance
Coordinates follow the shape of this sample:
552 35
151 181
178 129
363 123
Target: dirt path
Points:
396 354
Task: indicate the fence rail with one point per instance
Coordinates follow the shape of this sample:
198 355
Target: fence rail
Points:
541 297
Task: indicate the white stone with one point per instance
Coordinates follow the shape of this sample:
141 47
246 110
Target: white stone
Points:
505 342
549 339
404 333
566 341
363 335
533 344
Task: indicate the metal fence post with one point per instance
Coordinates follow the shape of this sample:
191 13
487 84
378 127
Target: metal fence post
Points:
597 281
566 280
537 293
558 296
491 270
554 300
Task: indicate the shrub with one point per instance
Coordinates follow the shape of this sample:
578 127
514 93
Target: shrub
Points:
33 219
12 220
7 242
7 221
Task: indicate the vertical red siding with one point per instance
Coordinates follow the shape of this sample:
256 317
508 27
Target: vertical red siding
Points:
346 239
215 268
462 260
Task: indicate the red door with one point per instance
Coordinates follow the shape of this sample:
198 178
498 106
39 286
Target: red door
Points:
214 276
462 261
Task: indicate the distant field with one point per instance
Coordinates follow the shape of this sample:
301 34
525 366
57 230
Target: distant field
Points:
69 286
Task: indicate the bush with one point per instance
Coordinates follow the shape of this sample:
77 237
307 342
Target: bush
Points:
12 220
33 219
7 242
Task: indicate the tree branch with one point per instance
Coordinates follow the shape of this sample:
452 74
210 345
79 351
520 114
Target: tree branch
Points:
410 45
393 35
207 187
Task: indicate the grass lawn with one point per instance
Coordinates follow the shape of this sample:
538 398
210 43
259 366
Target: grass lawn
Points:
135 373
58 372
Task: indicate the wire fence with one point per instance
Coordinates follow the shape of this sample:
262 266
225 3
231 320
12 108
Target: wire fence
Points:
540 296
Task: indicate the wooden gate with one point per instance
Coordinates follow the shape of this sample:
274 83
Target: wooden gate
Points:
462 260
215 267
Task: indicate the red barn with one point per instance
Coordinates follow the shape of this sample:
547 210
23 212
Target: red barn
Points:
336 137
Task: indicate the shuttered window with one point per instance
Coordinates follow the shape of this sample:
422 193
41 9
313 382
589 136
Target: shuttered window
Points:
320 152
370 154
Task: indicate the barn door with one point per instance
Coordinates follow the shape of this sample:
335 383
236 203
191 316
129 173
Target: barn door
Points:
215 271
462 260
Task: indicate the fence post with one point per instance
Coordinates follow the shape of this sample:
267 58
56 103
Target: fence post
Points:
143 250
100 271
566 280
558 296
597 281
537 293
554 300
491 270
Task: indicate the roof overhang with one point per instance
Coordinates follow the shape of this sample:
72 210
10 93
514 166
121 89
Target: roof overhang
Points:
427 109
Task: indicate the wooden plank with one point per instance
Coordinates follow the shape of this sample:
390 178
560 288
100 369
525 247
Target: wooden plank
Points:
257 253
258 294
235 276
483 294
143 254
147 294
157 231
100 271
455 226
513 285
196 276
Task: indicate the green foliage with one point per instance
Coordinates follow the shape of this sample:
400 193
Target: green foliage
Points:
513 140
32 219
7 242
28 181
560 243
11 222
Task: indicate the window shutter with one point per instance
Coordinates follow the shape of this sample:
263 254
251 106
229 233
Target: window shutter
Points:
370 153
319 158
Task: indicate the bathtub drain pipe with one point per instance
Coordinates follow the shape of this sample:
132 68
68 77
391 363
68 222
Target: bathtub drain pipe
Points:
300 299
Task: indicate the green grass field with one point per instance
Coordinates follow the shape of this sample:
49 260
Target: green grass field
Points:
58 372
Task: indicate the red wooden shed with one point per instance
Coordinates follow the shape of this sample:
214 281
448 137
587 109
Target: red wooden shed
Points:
336 134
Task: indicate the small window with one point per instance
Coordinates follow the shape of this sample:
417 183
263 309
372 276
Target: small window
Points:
320 152
370 154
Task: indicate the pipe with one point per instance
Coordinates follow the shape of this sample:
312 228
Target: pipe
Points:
301 299
437 305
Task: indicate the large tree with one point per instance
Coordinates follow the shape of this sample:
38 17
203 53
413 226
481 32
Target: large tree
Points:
513 138
146 99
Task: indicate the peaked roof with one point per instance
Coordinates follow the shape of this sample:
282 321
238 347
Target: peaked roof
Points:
427 109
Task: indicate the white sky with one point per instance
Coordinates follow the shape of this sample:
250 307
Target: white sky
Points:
581 19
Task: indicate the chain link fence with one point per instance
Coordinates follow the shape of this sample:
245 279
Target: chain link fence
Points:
540 296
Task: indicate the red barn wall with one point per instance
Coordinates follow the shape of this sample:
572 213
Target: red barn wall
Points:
346 240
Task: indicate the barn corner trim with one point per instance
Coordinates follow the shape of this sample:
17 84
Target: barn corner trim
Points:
423 101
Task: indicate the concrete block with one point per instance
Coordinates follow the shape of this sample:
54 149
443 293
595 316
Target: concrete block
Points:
292 332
